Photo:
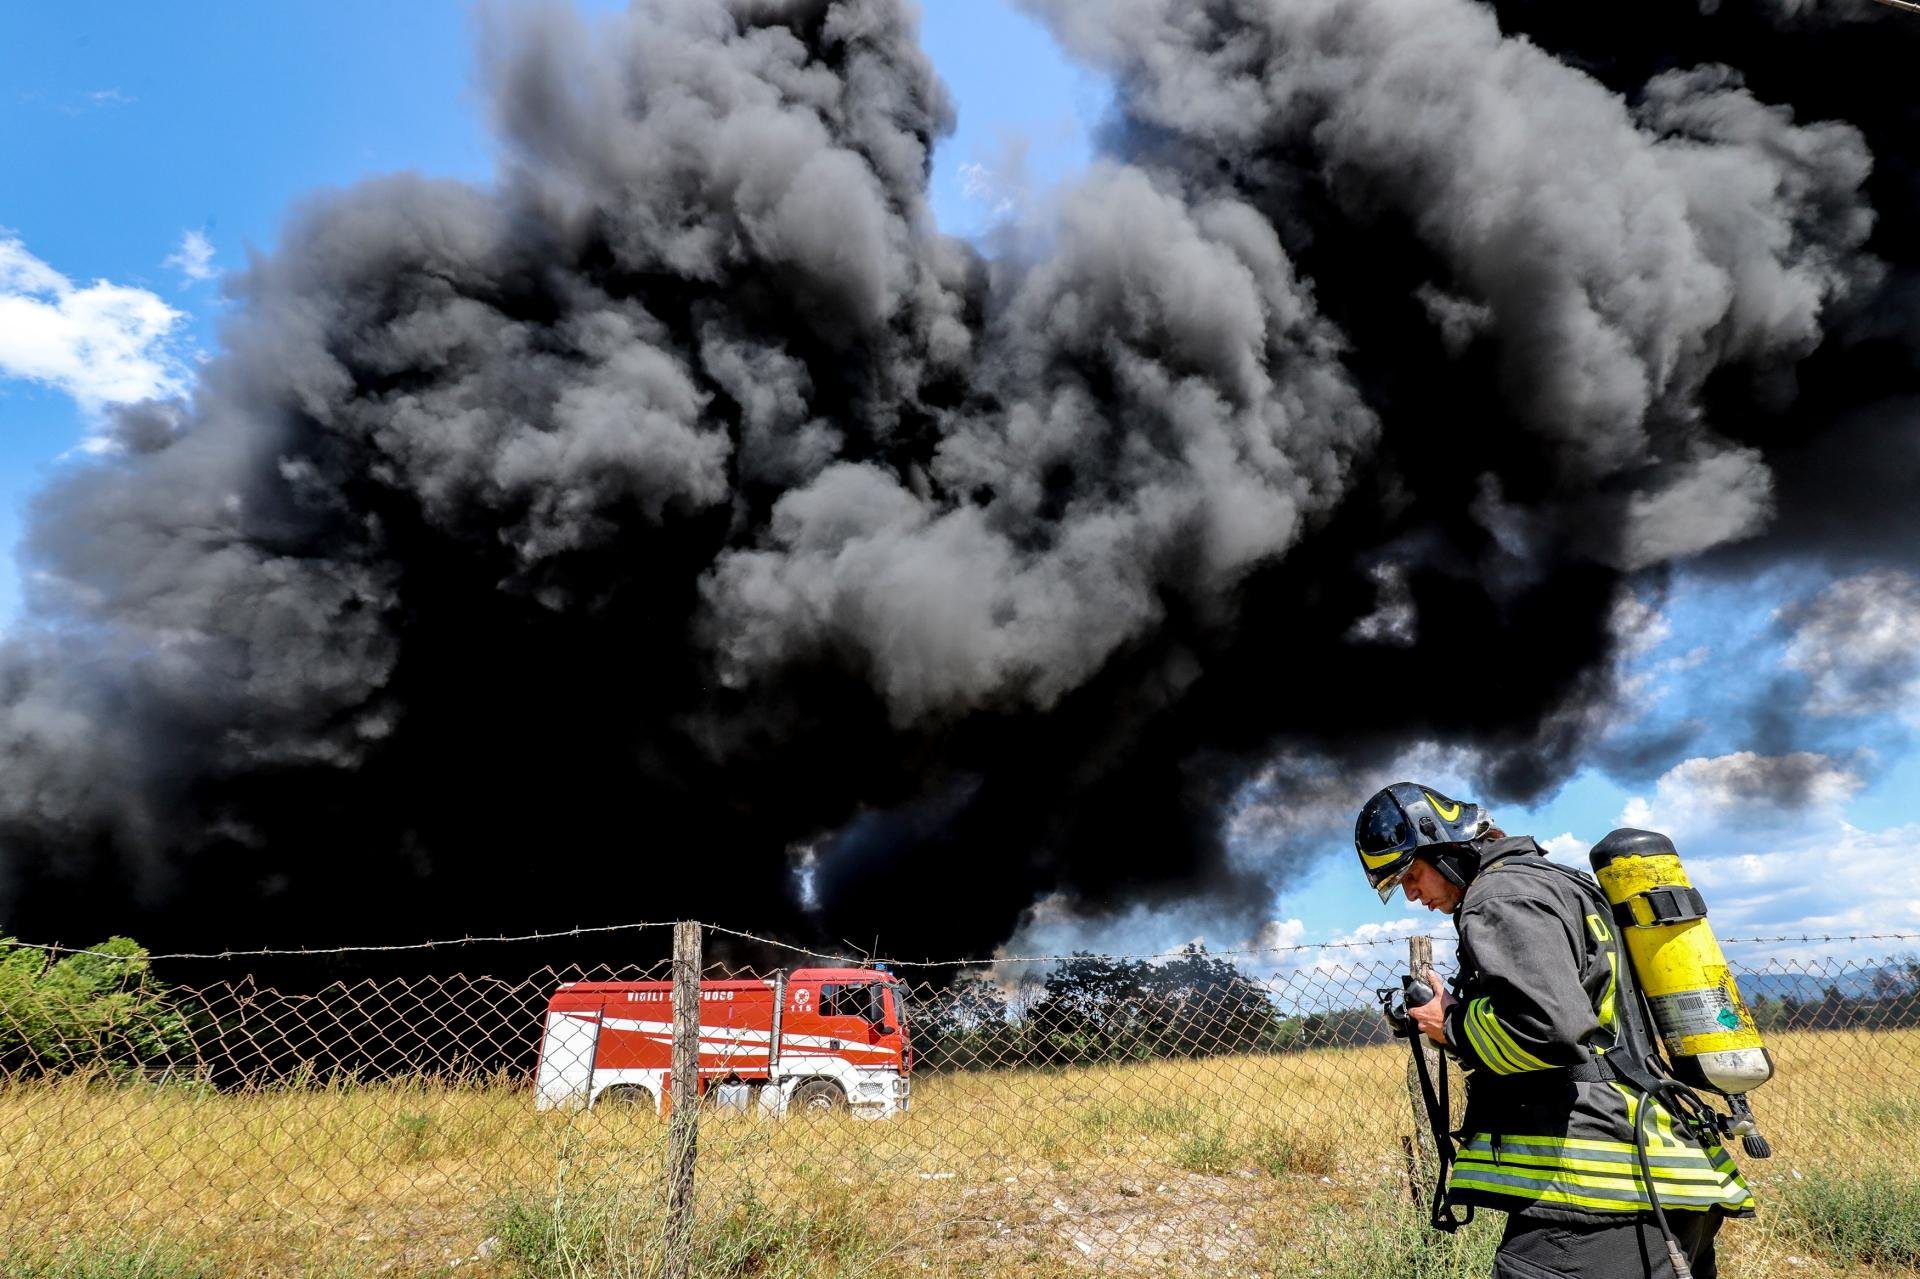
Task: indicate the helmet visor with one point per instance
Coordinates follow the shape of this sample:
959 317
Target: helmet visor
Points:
1385 840
1383 827
1389 884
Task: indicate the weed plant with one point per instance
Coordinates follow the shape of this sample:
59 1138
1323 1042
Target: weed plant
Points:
1865 1214
106 1259
606 1238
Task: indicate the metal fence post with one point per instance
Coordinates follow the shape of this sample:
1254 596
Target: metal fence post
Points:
683 1132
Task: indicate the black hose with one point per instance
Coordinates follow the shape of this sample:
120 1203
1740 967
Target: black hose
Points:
1681 1269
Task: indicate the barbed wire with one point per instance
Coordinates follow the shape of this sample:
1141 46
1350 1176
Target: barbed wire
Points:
1393 939
852 957
844 957
321 952
1822 937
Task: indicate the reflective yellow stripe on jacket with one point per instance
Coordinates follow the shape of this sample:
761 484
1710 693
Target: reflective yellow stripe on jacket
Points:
1493 1045
1603 1175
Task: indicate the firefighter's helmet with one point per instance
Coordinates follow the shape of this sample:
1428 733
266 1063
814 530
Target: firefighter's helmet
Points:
1407 818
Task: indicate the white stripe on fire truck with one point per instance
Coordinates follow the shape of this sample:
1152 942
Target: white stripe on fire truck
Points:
724 1037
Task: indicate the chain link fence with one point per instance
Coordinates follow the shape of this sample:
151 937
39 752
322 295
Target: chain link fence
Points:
1188 1114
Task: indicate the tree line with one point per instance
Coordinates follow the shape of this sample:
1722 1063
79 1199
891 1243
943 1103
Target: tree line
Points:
1093 1008
1890 1001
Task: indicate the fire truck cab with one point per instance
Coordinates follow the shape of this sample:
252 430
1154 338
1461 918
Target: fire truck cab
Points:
815 1039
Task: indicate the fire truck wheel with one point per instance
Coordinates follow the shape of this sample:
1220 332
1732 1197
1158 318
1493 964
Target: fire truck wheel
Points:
628 1095
818 1097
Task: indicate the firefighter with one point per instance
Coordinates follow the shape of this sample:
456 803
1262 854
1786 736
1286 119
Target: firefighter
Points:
1541 1018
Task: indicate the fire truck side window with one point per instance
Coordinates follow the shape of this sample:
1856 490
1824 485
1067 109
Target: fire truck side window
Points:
862 1001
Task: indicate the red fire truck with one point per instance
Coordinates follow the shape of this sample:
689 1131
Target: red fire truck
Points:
815 1039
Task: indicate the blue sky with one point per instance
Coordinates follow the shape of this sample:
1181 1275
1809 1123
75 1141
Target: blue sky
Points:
150 148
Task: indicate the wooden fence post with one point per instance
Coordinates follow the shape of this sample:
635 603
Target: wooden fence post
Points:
683 1130
1423 1160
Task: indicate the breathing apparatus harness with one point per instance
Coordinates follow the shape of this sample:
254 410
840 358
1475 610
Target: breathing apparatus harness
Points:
1634 1061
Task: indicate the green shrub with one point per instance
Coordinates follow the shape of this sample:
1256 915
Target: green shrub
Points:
99 1009
1865 1215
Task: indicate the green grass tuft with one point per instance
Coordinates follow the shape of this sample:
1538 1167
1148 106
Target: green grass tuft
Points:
1390 1239
105 1259
1279 1153
751 1239
1151 1118
412 1136
1208 1150
1867 1215
1897 1112
747 1239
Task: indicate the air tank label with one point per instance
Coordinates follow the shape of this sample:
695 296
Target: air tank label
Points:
1687 1013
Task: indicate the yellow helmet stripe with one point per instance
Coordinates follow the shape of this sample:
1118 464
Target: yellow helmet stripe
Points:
1380 861
1448 812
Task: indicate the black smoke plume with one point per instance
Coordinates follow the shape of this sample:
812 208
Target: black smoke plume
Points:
683 526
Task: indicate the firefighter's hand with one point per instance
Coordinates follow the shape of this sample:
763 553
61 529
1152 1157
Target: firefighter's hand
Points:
1431 1017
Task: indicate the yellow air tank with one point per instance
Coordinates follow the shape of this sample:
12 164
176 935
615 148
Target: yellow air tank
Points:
1703 1023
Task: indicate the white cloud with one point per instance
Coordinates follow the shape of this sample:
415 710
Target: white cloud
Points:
1000 181
1279 934
102 344
1638 625
194 257
1855 642
1766 841
982 184
1372 934
1742 791
1568 849
1345 968
95 100
1830 879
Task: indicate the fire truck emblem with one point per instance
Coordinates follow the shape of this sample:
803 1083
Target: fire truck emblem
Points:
800 998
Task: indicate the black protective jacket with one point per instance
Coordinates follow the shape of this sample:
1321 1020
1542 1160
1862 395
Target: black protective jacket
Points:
1543 985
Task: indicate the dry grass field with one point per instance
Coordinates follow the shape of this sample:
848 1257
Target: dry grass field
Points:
1271 1166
